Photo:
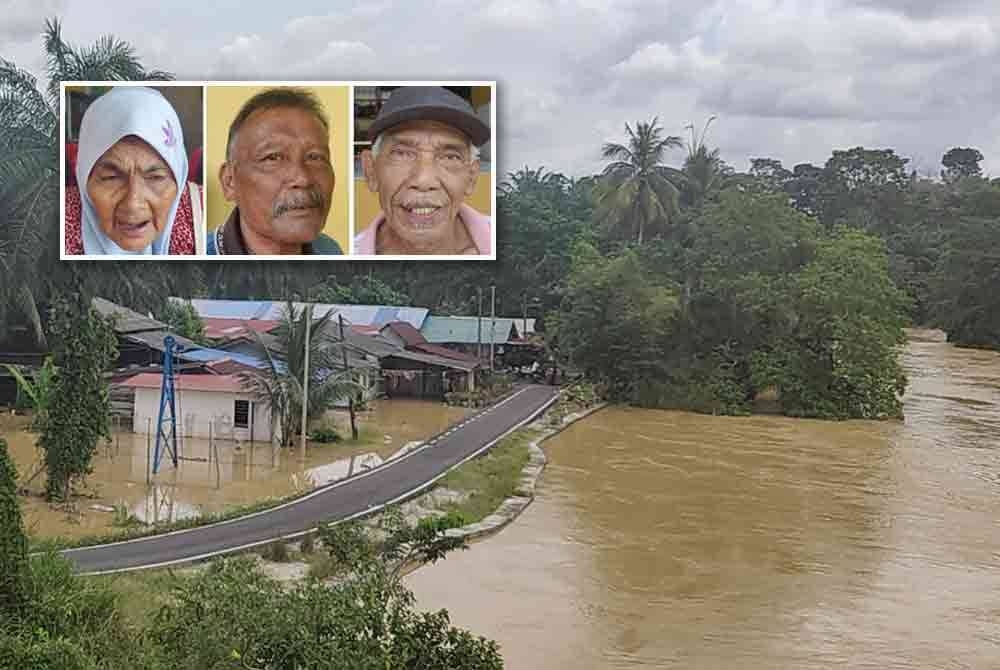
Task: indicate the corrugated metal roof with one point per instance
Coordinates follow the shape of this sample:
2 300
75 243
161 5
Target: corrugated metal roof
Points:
362 315
464 330
431 359
212 383
230 309
154 340
219 328
214 355
439 350
127 320
407 332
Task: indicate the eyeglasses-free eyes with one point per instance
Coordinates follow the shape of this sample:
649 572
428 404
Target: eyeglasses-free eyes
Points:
449 160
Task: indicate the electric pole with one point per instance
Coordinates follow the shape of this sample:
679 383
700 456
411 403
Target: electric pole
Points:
479 324
524 307
350 397
307 311
493 323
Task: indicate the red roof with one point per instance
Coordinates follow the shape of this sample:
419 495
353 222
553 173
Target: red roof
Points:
444 352
219 328
414 340
217 383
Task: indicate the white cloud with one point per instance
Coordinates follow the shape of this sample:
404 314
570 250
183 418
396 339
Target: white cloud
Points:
24 20
789 79
518 14
340 60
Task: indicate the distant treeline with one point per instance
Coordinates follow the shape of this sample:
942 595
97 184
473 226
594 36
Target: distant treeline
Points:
695 286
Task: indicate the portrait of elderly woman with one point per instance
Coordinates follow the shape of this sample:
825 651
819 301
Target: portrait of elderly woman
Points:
132 194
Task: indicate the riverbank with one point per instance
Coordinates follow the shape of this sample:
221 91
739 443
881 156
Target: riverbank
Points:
664 539
115 503
488 492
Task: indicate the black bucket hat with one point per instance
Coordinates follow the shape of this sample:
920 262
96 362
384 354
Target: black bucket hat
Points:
429 103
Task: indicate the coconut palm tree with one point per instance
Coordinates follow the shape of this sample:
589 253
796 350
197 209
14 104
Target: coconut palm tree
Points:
704 170
540 181
29 173
279 383
636 190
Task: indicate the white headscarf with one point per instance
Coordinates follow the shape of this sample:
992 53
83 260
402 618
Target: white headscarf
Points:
123 111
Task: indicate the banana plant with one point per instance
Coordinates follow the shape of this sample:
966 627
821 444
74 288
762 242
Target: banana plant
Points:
38 388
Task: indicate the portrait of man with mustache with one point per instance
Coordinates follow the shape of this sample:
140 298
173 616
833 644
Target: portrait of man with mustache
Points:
423 164
279 174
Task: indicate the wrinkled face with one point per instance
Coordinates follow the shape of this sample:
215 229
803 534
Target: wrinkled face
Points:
280 175
132 189
422 174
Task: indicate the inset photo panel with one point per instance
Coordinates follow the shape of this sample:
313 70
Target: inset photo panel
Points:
278 170
132 170
424 171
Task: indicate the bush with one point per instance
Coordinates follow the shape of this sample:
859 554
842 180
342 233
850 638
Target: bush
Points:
324 435
276 552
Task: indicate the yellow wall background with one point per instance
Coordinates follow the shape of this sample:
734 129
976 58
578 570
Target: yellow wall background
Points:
366 206
223 102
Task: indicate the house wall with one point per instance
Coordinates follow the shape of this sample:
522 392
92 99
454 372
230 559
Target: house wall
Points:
197 409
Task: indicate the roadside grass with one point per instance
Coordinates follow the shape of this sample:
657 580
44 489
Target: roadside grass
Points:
140 594
490 479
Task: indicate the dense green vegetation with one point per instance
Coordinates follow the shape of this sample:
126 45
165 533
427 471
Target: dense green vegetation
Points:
693 286
84 346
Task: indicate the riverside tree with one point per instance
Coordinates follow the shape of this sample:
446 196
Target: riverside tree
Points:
13 545
78 417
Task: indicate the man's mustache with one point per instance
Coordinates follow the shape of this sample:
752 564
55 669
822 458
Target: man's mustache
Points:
308 199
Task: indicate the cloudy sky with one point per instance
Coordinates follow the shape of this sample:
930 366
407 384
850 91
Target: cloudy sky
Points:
789 79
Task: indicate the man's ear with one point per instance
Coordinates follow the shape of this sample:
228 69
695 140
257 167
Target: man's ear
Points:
470 186
226 179
368 167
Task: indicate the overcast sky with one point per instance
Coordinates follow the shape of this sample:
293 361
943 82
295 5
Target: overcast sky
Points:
789 79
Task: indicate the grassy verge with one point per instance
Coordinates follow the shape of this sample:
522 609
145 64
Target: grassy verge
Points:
42 544
490 479
140 593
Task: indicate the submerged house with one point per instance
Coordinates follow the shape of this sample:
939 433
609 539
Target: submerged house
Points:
207 405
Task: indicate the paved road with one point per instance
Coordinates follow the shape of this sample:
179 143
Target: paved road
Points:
357 496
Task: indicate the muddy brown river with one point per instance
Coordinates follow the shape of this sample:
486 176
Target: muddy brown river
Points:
664 539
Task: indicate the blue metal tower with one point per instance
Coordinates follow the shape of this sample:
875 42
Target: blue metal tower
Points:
166 425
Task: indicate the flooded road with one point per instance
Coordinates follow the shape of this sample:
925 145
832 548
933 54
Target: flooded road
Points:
245 472
663 539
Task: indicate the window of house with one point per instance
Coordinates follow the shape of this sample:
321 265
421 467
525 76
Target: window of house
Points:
241 414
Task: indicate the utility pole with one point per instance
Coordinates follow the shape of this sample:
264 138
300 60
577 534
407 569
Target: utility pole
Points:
307 310
493 323
347 368
479 323
524 318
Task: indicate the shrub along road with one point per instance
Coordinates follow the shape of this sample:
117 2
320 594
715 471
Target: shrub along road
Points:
357 496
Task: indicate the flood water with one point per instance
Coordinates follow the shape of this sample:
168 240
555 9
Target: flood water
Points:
242 474
663 539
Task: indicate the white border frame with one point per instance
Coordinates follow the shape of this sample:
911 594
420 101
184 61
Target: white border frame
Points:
349 252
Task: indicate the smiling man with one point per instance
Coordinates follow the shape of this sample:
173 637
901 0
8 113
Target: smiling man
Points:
423 164
279 174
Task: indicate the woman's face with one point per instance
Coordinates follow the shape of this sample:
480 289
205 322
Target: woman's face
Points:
132 189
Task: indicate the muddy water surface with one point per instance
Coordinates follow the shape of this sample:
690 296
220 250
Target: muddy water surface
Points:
244 473
670 540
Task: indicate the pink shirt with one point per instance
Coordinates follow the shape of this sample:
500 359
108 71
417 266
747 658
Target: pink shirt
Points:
478 225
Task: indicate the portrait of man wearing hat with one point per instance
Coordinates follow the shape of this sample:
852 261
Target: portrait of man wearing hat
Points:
423 164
